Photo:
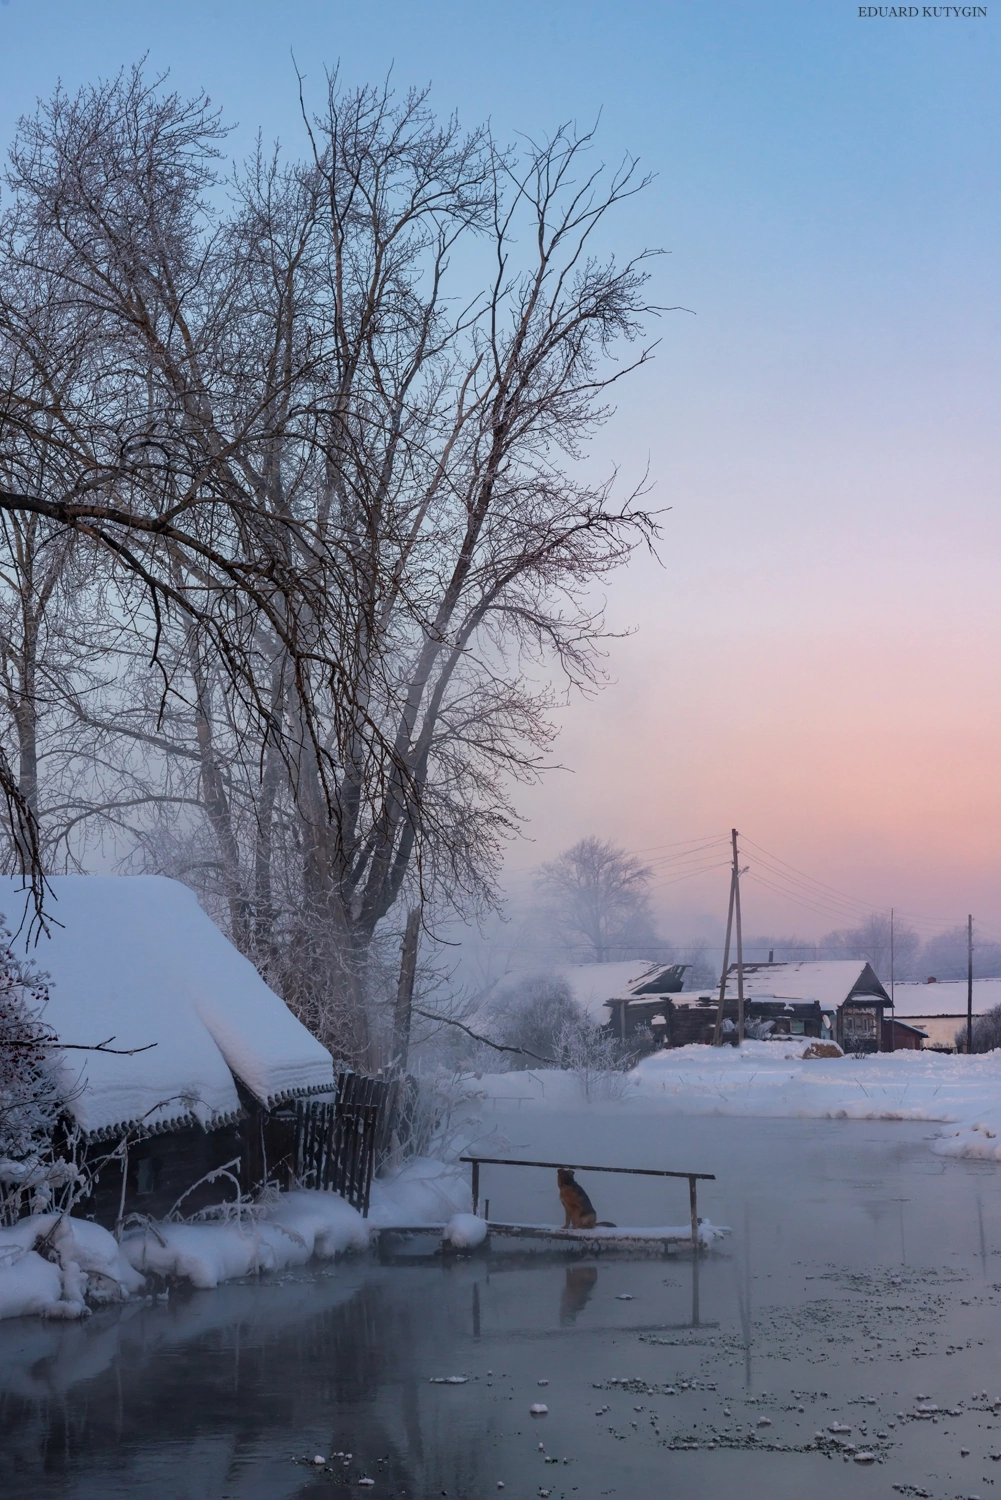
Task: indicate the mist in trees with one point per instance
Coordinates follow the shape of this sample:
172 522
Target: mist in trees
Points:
295 524
595 897
945 956
536 1015
942 957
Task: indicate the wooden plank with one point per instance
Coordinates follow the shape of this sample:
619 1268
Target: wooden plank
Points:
679 1236
503 1161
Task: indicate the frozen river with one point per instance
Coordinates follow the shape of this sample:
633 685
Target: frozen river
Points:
859 1288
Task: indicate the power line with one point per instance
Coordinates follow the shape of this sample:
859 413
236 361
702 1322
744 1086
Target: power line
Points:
689 875
835 901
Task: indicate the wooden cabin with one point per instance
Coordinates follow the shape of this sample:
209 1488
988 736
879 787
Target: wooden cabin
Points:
848 990
209 1062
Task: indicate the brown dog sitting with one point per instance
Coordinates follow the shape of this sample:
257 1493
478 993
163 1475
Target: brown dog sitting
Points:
576 1204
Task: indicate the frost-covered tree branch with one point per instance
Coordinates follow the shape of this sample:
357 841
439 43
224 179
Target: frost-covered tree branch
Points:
316 445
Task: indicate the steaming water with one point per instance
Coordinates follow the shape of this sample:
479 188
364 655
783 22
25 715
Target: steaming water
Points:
860 1277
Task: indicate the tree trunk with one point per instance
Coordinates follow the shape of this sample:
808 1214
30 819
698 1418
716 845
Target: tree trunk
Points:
405 988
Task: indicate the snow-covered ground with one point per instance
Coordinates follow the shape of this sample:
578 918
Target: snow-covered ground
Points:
60 1267
80 1261
290 1232
962 1095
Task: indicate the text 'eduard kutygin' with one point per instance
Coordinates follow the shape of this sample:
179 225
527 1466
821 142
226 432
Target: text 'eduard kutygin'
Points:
922 10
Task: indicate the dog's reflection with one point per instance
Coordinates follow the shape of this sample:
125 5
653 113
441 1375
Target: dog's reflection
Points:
579 1285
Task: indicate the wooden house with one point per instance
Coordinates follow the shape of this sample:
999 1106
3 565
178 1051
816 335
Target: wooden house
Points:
210 1068
796 996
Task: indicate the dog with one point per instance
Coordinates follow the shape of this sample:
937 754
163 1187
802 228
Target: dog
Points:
577 1205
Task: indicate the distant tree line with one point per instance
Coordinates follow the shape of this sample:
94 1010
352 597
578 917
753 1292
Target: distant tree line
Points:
594 906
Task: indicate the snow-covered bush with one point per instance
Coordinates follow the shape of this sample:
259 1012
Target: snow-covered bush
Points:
598 1060
31 1093
435 1119
986 1032
534 1016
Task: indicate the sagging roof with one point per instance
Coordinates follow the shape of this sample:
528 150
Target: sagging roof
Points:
664 979
136 958
829 981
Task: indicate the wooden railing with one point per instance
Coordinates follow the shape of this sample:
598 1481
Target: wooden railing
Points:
694 1178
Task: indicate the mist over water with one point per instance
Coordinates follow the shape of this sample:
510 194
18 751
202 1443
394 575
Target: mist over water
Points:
859 1277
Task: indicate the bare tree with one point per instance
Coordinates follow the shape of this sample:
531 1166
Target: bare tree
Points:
329 437
596 895
945 956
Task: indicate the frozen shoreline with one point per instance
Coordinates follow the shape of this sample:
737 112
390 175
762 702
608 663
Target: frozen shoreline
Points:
83 1264
960 1094
62 1267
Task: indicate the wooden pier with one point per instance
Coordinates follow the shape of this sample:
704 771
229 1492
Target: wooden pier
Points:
693 1178
601 1237
663 1238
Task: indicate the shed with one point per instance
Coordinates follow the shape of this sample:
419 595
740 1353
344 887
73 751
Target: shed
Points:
136 959
906 1038
647 1002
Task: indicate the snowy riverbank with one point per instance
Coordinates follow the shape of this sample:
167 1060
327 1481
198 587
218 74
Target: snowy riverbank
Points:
81 1265
961 1095
57 1267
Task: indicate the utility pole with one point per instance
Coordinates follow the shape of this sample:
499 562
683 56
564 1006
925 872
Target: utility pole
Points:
892 990
718 1028
740 945
969 985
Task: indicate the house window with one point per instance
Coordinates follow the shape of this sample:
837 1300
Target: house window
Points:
147 1175
797 1027
861 1024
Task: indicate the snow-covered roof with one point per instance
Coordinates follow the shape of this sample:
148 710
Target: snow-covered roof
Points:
945 997
830 981
136 958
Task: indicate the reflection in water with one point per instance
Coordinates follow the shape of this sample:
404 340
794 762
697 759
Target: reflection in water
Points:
245 1377
744 1294
696 1260
222 1395
577 1288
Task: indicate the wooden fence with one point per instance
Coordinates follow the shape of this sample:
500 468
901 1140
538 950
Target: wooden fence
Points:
336 1143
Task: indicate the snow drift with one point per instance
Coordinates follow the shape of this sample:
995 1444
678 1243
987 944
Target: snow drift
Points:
81 1266
290 1232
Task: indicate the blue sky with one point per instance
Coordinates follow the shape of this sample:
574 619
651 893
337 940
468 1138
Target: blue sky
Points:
817 659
